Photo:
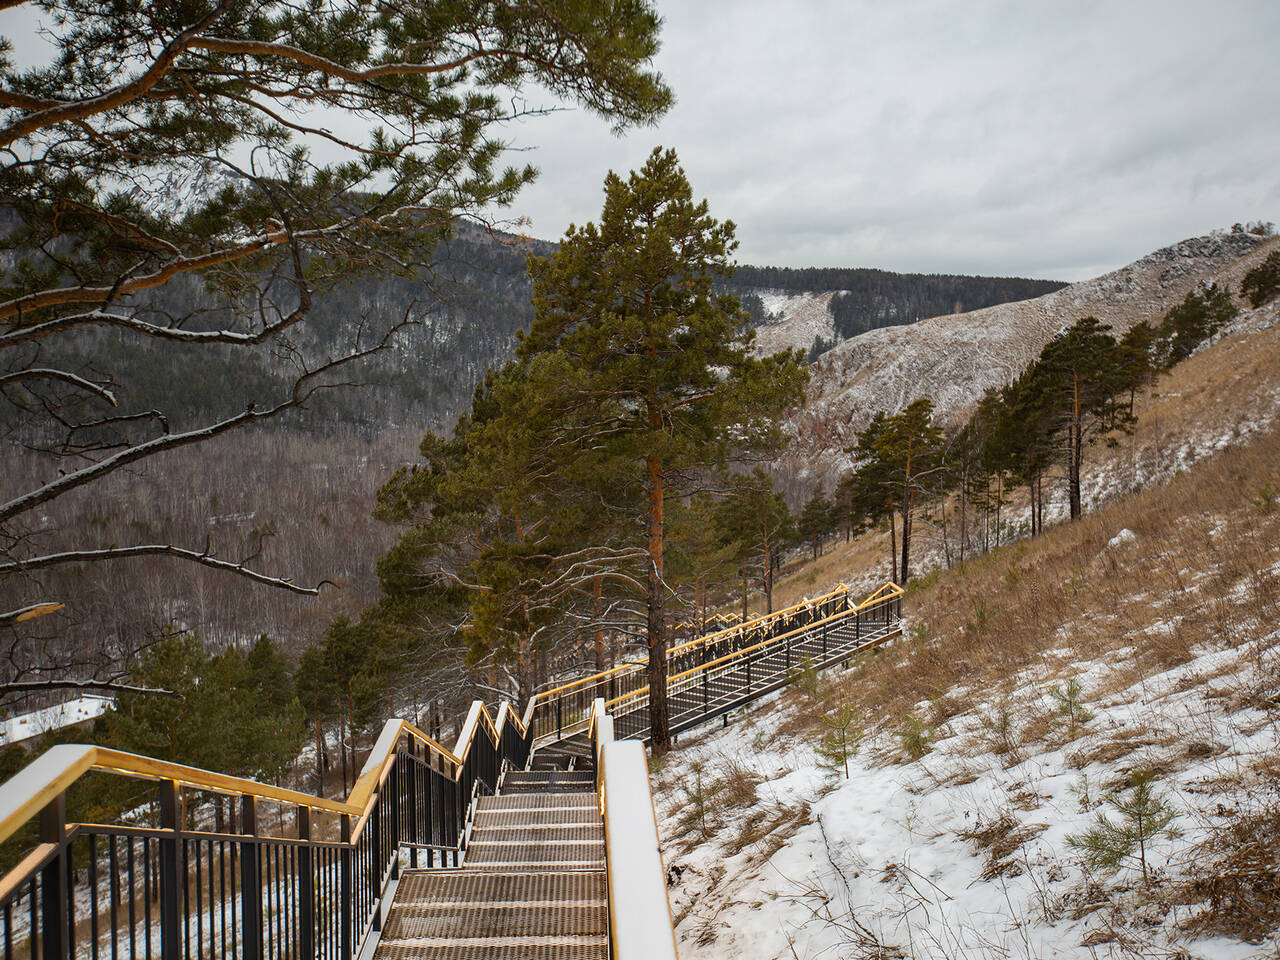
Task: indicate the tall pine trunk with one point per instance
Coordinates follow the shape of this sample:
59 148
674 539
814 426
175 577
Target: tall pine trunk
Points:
659 737
1075 449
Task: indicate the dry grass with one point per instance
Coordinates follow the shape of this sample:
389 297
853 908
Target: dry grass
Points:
1236 874
999 840
1149 604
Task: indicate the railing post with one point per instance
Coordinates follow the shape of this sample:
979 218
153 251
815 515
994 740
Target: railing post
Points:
250 880
170 894
346 891
53 882
396 808
559 716
824 637
374 829
704 691
414 772
306 889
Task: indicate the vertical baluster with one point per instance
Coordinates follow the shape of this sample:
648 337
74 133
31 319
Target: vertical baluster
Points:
113 901
199 902
250 880
53 881
171 940
306 890
32 896
346 889
236 919
131 888
93 897
222 895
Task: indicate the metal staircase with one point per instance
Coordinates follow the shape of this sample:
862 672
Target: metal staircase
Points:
532 886
721 671
536 832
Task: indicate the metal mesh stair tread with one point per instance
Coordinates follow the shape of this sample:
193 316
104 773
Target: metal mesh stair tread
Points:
534 919
539 833
537 816
583 949
453 885
555 851
537 801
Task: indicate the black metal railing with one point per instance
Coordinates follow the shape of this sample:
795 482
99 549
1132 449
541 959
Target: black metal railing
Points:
718 684
566 710
213 866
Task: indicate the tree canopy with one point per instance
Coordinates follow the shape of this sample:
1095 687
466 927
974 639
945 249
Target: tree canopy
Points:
195 177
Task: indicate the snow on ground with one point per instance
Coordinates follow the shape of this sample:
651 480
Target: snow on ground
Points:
805 317
963 853
48 719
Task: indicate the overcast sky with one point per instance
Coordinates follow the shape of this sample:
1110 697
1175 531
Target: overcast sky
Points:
1039 138
1045 139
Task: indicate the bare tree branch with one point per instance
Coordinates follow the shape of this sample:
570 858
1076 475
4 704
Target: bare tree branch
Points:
44 373
154 549
27 686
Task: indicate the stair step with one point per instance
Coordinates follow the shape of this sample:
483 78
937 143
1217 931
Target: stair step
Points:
525 817
538 948
538 833
550 780
538 801
489 920
467 886
535 853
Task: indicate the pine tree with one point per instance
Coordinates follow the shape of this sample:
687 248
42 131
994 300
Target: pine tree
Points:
1262 283
842 742
1071 397
1144 816
815 521
169 182
902 457
1200 315
648 367
754 522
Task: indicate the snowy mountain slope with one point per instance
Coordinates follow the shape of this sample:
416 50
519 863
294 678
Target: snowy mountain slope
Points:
954 359
1163 607
804 317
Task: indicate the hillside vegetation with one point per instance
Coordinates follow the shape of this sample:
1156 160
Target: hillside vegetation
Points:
1036 686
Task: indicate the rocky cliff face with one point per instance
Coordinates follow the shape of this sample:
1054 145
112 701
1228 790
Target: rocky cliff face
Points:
954 359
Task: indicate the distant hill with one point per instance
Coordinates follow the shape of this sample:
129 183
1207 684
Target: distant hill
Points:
953 359
471 305
862 299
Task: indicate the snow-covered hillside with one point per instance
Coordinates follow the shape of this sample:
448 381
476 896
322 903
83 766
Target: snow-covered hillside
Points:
1031 687
966 852
802 318
955 358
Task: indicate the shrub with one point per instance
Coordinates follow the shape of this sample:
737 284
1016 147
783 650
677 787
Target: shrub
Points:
916 737
1262 283
1070 706
842 742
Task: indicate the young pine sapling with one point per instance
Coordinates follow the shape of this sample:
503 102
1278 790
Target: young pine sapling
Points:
1144 816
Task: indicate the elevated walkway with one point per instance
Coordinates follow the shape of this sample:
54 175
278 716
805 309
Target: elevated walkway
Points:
533 837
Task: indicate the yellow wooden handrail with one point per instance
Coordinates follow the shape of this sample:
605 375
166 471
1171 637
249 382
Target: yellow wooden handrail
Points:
743 627
24 795
888 591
